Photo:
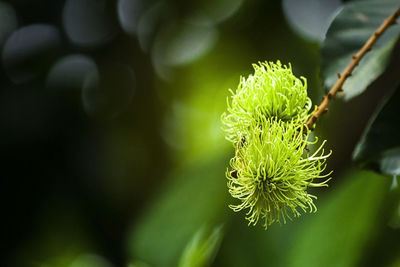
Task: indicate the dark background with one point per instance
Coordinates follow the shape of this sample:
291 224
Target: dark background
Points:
103 102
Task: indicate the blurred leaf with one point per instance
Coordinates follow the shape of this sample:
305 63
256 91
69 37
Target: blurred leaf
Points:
217 10
130 13
396 262
181 43
379 148
344 223
348 32
192 124
245 245
138 264
310 18
194 197
394 221
59 238
86 260
202 248
335 235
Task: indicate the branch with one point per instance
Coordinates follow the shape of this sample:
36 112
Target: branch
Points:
323 107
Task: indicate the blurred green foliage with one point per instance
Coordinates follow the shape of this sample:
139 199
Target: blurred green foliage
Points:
201 249
123 163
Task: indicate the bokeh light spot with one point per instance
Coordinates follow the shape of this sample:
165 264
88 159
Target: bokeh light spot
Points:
29 51
70 72
8 20
89 22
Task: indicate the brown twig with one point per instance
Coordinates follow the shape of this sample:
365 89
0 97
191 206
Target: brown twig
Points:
323 107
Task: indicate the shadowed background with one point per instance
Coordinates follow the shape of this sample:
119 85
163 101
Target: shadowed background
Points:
111 147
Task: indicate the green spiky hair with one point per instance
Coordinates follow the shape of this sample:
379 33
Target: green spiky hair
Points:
271 172
272 91
272 169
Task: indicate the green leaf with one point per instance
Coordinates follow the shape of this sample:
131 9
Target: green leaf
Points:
349 215
379 147
348 32
394 221
202 248
193 197
344 224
